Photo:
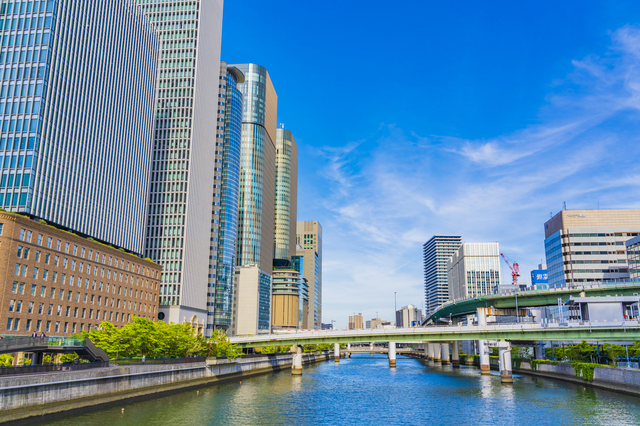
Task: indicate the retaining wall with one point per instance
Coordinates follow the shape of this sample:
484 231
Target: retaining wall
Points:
27 398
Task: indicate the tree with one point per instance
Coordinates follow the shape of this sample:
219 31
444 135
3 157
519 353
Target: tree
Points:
582 353
219 345
6 360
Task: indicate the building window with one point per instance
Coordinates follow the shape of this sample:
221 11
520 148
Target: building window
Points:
39 239
12 304
37 255
9 323
38 325
33 289
48 326
28 326
22 231
28 236
49 242
1 226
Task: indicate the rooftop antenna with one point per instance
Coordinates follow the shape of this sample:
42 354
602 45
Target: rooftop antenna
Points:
565 205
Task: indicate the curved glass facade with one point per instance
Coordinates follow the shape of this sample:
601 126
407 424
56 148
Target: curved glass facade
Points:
228 204
75 143
286 195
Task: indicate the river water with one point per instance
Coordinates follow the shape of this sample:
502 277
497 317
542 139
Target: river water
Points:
364 390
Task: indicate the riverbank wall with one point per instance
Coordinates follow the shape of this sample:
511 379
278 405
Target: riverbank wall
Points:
32 398
621 380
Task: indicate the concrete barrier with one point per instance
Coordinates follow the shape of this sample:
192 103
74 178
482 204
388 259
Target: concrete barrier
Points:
56 393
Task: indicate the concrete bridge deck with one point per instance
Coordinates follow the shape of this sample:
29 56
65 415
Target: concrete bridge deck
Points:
609 331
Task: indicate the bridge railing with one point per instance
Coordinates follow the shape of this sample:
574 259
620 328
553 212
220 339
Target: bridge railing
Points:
19 342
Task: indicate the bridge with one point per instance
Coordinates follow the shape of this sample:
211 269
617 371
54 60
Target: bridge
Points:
436 340
530 299
41 345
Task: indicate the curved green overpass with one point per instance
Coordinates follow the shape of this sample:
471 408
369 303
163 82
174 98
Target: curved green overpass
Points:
529 299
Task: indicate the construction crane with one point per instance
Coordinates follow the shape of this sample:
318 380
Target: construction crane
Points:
515 269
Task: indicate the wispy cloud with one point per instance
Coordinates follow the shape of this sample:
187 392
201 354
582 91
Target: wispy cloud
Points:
393 191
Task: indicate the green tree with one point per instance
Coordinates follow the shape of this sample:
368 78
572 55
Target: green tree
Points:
613 352
6 360
581 353
219 345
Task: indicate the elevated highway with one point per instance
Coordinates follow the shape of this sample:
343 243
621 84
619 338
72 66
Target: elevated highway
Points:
529 299
611 331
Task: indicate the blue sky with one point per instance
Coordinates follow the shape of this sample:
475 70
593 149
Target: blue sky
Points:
477 118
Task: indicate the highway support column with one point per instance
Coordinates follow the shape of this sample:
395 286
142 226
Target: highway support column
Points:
392 354
431 351
485 367
437 358
336 352
445 353
504 352
296 368
455 358
426 350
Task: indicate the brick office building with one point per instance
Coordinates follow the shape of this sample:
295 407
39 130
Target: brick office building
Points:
59 283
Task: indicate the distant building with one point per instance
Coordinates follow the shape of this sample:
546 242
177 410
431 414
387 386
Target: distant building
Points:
584 246
378 323
285 296
327 326
59 283
356 322
309 246
408 316
474 270
633 257
436 252
286 200
540 278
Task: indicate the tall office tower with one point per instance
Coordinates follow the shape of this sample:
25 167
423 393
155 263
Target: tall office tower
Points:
309 241
186 142
76 142
436 252
474 270
254 246
585 246
224 211
286 195
286 296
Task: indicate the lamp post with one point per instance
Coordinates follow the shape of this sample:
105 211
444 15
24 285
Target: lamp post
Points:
395 307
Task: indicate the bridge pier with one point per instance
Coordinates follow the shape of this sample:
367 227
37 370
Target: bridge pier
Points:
431 351
296 368
538 350
348 350
485 367
504 349
392 354
336 352
445 353
455 358
371 348
426 350
437 357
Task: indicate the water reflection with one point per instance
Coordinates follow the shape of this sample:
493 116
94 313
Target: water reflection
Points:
364 390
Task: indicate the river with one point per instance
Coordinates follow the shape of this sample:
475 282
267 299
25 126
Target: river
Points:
364 390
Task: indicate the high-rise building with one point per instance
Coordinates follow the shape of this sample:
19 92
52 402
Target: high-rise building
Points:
355 322
256 209
408 316
75 140
224 214
589 245
286 195
309 243
436 252
187 142
474 270
297 262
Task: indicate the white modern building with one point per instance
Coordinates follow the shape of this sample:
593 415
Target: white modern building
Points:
474 270
408 316
187 142
583 246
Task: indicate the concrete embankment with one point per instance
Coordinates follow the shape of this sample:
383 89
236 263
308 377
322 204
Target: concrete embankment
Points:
27 399
614 379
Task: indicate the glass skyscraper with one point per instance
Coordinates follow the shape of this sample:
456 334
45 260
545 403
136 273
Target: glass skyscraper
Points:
286 195
224 220
188 140
254 250
436 252
76 139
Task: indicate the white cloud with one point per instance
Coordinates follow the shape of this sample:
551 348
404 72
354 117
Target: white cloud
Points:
392 192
